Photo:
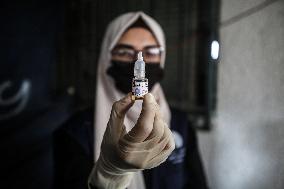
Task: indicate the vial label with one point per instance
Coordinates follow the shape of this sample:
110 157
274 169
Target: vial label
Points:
139 87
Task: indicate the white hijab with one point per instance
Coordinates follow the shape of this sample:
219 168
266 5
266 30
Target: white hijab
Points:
107 94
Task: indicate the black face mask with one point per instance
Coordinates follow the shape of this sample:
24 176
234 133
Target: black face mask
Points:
122 73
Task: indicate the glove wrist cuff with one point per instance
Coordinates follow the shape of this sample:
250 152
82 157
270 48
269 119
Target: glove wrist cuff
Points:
106 176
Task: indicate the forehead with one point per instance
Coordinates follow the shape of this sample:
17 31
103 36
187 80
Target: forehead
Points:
138 37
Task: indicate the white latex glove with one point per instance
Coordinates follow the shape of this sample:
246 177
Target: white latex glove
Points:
147 145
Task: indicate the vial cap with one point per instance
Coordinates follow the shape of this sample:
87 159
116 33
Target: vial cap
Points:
140 56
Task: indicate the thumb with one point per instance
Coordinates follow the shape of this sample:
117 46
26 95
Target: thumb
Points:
118 111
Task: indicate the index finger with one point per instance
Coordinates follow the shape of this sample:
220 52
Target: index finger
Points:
119 109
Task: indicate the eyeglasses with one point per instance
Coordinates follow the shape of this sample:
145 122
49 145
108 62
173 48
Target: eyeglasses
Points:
128 53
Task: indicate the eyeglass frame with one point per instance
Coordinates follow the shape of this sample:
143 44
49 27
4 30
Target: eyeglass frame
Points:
134 57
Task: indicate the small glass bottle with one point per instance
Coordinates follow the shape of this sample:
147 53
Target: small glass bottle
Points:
139 82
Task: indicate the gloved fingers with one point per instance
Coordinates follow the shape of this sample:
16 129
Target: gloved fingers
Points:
155 144
138 154
134 159
126 147
171 144
119 109
141 156
141 159
126 143
123 132
158 127
144 125
158 148
162 157
156 134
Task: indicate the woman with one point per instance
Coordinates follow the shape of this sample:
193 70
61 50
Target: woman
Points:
125 36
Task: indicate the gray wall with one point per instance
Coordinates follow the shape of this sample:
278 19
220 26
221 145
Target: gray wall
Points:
246 147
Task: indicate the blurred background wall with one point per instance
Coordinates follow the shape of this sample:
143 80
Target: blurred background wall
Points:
246 147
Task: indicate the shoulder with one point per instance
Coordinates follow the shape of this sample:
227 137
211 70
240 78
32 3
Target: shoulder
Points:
79 129
82 119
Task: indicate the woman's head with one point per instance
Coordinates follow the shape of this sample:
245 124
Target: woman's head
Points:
118 30
137 37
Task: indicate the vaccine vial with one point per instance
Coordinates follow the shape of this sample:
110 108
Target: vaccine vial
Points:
139 82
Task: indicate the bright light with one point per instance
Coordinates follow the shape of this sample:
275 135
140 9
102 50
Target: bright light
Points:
214 50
